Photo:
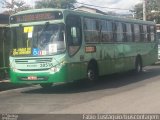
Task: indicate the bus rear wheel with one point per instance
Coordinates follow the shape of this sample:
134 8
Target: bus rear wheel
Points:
46 85
138 65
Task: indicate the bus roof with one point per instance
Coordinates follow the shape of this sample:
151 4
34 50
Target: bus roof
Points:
115 18
86 14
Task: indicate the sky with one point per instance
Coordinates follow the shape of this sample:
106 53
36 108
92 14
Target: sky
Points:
122 4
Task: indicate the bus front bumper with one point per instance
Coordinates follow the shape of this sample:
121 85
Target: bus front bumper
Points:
38 77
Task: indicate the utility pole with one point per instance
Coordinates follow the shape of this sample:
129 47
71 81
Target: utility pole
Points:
144 10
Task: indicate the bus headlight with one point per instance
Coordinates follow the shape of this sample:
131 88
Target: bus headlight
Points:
15 69
55 69
12 66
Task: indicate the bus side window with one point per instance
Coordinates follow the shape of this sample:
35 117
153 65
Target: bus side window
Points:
141 33
129 34
152 33
145 32
137 32
133 34
114 32
148 34
119 32
74 34
124 32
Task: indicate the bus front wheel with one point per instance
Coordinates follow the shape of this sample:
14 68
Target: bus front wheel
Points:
46 85
92 73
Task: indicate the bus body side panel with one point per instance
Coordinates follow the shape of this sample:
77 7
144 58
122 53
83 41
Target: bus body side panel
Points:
130 53
76 71
119 57
112 59
145 50
107 64
150 56
77 64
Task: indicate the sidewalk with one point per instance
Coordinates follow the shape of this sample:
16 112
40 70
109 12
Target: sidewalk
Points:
157 63
6 85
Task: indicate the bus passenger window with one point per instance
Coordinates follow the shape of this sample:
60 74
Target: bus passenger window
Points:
106 31
137 32
141 33
129 33
92 30
119 32
145 32
148 34
152 31
124 32
114 32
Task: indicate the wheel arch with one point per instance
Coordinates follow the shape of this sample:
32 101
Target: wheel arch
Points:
139 57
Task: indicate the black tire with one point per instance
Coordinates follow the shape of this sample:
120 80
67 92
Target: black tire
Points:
138 65
46 85
92 73
2 74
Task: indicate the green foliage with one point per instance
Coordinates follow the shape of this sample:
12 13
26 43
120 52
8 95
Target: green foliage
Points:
14 6
138 11
65 4
151 6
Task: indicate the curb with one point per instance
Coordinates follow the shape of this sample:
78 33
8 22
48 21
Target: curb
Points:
7 85
157 63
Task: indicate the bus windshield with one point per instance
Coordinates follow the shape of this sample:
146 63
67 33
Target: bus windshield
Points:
38 40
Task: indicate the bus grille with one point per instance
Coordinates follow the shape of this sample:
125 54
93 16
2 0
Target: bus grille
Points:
32 60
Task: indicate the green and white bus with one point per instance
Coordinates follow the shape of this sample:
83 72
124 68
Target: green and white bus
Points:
55 45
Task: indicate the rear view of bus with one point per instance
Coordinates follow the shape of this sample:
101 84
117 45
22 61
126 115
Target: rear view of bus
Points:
38 47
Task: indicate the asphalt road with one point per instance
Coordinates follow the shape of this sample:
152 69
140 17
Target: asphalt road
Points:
118 93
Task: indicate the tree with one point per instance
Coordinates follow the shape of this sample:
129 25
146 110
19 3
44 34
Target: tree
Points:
151 5
65 4
138 11
14 6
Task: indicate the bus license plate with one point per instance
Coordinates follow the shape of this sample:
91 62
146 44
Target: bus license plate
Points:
32 77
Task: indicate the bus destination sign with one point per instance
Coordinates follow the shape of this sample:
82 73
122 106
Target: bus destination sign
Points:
32 17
